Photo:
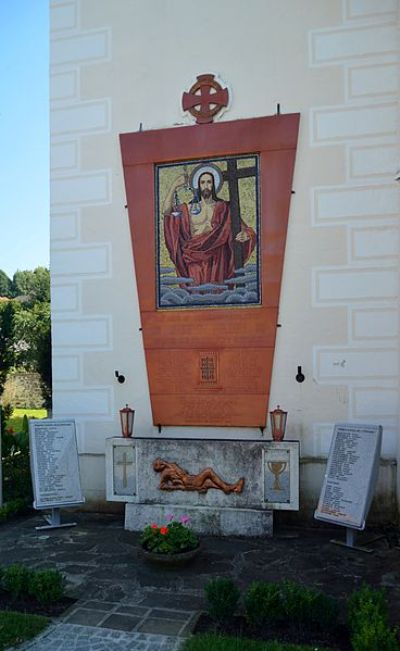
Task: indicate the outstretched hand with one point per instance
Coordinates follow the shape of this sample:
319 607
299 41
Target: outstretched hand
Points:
243 236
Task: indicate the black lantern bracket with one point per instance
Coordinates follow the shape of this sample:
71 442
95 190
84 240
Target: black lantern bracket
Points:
120 378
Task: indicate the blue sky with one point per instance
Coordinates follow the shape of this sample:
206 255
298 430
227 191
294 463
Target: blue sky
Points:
24 135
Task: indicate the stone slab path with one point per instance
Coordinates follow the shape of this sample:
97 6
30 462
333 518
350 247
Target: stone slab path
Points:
124 603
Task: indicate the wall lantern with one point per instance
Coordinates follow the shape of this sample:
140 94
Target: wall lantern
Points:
126 415
278 423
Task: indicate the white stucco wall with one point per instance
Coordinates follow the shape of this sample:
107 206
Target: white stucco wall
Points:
118 63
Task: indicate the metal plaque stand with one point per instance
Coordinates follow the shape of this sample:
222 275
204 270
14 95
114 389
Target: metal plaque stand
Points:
350 539
54 521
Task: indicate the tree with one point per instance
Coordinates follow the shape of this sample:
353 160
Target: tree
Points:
22 283
35 285
32 335
7 341
5 285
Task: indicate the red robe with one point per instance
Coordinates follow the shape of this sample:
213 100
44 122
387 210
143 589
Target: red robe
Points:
206 258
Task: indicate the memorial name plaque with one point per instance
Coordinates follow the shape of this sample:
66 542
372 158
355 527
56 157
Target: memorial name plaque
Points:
54 464
351 475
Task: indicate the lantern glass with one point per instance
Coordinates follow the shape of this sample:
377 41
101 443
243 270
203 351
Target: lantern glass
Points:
278 423
126 415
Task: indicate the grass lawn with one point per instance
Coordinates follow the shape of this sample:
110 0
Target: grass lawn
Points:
224 643
17 627
16 419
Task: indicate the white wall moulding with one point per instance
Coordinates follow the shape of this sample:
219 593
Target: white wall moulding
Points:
64 86
86 188
373 81
63 16
372 324
336 203
63 226
339 45
344 364
81 261
66 368
344 123
64 155
65 298
359 9
375 402
373 160
372 243
82 118
83 48
84 403
84 332
341 285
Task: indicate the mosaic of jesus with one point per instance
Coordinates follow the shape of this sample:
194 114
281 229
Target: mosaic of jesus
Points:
207 213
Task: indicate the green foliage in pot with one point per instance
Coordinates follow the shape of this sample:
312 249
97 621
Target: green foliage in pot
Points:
172 538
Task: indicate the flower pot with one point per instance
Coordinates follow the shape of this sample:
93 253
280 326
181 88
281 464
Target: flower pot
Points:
170 560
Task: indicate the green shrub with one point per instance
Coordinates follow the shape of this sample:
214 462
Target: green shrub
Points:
12 508
46 586
18 627
304 606
375 635
222 598
212 642
262 603
364 604
367 616
16 579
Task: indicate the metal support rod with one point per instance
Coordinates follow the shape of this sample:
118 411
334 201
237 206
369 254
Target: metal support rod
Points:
54 521
350 540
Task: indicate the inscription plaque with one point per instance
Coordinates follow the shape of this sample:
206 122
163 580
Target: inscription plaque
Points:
54 463
280 468
277 476
208 367
351 475
124 461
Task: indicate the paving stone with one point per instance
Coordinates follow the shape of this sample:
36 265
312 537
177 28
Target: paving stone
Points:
85 616
166 613
100 605
160 626
168 600
121 622
127 588
133 610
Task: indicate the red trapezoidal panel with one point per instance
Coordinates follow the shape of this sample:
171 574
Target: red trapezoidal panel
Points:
208 210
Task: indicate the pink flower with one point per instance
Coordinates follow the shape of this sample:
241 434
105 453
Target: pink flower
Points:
163 531
184 519
154 525
170 517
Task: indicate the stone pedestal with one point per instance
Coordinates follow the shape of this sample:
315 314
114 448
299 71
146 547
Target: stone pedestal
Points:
270 471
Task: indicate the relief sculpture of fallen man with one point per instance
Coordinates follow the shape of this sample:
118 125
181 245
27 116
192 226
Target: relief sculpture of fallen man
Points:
173 477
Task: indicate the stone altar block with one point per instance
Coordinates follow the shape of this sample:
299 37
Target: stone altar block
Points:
270 471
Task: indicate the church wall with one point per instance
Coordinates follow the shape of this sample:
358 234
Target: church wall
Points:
118 64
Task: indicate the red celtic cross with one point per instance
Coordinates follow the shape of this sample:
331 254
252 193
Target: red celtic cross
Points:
205 99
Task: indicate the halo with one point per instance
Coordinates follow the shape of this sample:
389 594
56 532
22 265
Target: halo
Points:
210 168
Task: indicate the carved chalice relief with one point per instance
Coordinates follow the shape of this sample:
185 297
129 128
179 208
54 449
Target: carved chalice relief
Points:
277 468
175 478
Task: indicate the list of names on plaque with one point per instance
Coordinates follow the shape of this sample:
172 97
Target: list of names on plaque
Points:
54 459
351 473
